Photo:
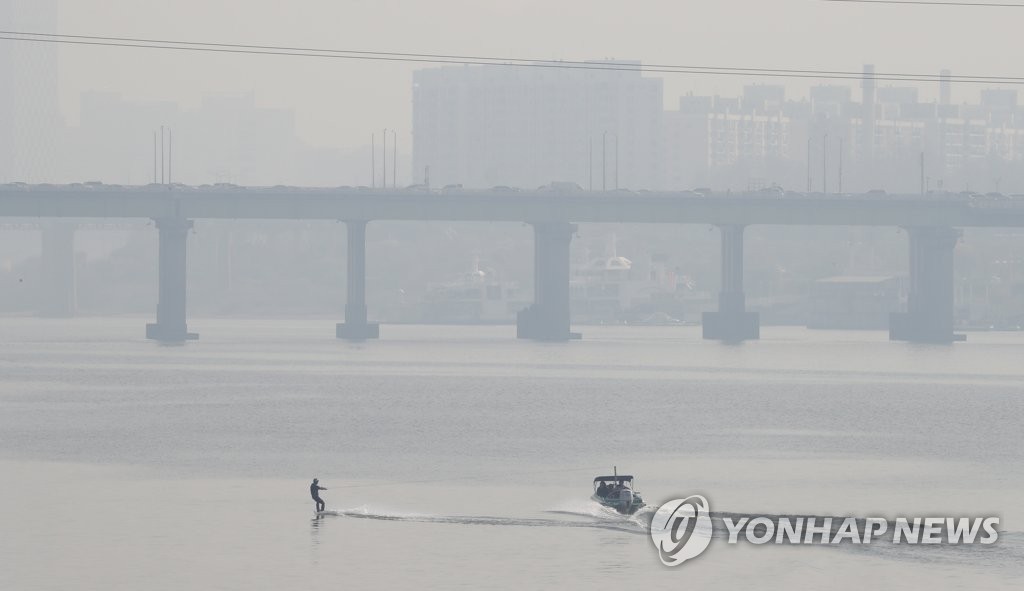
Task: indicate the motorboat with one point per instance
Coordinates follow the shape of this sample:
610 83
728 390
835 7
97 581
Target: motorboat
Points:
616 492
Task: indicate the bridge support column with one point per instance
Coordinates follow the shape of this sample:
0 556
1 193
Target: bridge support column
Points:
356 328
58 297
929 315
547 319
170 326
732 322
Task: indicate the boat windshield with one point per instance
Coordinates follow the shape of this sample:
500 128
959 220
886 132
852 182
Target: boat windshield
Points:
613 483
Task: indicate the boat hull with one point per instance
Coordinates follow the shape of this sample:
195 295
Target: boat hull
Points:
625 507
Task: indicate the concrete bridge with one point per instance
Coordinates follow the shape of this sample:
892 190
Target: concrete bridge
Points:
932 221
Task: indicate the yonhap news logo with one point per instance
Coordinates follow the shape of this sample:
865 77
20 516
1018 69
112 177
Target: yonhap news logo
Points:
682 529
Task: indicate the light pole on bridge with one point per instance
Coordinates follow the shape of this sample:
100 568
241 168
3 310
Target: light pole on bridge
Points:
604 160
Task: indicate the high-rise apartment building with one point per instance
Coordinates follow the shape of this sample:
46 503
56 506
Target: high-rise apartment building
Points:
748 137
485 126
30 120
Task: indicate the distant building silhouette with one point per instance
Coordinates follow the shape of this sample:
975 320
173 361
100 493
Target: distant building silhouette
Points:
485 126
228 138
503 125
30 120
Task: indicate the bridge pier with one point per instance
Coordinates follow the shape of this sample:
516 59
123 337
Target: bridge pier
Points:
547 319
732 322
356 328
170 326
929 315
58 297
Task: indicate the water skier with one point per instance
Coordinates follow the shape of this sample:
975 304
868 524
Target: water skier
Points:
314 491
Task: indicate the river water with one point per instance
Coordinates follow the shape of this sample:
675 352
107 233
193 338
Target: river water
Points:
459 457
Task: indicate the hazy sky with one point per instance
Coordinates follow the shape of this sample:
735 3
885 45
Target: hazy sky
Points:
340 102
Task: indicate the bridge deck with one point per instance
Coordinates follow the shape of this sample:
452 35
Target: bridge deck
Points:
534 206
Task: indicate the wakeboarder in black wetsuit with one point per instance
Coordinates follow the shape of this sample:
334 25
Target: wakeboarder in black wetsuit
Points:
314 491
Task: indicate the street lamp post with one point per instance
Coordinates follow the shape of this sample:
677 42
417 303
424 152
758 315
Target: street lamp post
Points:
384 154
590 172
616 162
824 165
604 161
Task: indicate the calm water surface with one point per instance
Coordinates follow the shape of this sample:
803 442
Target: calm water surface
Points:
462 458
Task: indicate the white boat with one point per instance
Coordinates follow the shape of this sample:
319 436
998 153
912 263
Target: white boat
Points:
616 492
476 297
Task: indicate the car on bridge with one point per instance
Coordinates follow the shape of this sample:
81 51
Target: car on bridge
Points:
561 187
771 192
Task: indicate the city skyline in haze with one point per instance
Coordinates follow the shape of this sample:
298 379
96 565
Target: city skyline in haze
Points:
339 104
796 34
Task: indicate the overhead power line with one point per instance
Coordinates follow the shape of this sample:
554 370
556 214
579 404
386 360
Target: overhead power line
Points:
232 48
472 59
932 3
